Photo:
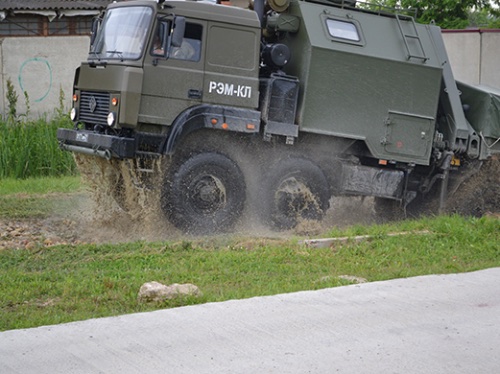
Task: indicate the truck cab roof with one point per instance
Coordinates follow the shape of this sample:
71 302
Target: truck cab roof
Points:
200 9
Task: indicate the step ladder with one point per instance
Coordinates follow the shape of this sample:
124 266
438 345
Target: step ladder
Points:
416 49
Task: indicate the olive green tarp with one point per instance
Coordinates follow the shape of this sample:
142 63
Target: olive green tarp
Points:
482 108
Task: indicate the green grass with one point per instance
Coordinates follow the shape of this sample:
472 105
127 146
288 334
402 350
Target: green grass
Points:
29 148
50 285
36 197
41 185
75 282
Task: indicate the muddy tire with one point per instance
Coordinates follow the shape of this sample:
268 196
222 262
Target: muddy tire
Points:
205 194
294 189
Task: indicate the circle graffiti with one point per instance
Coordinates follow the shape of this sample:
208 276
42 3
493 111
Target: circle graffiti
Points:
46 64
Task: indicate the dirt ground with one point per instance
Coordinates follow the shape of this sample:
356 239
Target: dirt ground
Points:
80 225
478 196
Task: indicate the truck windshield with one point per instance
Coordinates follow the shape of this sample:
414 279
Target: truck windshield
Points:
122 34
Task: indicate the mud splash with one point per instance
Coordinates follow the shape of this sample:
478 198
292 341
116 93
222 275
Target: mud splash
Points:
124 200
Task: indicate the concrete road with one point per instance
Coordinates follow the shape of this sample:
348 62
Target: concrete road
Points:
429 324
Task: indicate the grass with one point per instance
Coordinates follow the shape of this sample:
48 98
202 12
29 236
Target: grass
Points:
29 148
41 185
35 197
50 285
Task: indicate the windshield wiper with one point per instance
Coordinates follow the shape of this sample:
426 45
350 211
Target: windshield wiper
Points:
115 52
95 55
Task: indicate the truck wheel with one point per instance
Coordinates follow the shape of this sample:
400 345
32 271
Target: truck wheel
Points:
294 189
205 195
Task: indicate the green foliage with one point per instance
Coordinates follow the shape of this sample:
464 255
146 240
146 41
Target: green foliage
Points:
29 148
28 106
61 111
12 100
483 19
448 14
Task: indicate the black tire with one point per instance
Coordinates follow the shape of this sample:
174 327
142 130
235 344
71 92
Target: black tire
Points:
294 189
205 194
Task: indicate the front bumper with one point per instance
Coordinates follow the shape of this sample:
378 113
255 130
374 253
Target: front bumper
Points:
89 142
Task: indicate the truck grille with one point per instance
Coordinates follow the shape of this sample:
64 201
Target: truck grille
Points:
94 107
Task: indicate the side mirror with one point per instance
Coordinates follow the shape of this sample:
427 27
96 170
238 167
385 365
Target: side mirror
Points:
96 21
179 26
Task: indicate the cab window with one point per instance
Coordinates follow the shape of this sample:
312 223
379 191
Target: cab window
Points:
190 49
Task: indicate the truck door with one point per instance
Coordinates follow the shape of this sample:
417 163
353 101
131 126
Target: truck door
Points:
173 79
232 65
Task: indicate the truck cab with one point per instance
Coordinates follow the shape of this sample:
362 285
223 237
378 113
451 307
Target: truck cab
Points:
148 65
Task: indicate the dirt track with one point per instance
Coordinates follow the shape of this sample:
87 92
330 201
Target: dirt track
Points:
80 225
477 197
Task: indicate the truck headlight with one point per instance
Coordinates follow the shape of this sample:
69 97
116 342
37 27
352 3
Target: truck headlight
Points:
111 118
72 114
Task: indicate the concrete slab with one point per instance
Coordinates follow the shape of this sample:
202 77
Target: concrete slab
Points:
428 324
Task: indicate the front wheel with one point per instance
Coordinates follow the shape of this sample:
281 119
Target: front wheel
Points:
295 189
206 194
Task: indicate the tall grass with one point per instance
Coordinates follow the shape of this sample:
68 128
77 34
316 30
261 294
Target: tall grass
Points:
29 148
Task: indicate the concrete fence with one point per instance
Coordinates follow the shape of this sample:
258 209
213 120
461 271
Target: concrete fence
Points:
474 55
43 67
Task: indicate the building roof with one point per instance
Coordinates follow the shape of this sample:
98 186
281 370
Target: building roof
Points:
32 5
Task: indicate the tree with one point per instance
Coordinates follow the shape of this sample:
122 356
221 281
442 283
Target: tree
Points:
483 19
448 14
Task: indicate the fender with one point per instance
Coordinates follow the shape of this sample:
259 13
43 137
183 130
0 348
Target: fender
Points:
213 117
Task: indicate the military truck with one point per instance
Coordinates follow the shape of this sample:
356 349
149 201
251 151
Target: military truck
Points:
277 108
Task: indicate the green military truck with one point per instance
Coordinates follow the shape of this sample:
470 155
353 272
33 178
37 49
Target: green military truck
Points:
275 110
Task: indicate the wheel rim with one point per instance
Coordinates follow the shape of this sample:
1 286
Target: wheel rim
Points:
207 194
204 194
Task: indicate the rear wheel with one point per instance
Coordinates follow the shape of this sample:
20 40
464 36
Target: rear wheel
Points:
206 194
295 189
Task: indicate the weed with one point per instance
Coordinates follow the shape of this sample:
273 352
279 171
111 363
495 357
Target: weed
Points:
12 101
28 105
